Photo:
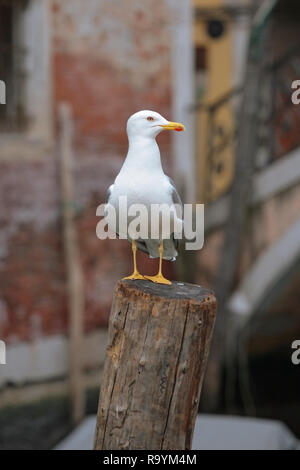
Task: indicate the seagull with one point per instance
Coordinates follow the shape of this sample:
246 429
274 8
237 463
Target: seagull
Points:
143 181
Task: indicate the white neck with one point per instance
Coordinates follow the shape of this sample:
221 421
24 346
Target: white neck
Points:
143 154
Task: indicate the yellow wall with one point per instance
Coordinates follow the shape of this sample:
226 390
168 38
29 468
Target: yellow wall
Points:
218 82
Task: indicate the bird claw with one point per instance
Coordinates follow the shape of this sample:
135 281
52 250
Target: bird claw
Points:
159 279
135 276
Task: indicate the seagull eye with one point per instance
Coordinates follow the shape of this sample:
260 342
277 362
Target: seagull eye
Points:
150 118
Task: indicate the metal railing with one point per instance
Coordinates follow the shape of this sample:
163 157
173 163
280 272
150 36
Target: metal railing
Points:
279 121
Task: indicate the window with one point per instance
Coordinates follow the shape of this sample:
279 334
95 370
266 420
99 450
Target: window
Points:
200 55
12 115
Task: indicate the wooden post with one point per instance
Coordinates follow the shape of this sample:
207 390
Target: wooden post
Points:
73 265
159 339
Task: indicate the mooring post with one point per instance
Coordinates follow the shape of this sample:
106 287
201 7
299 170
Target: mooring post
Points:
158 344
73 266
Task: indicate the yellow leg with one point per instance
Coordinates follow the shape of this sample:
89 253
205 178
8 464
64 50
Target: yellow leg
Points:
159 278
136 274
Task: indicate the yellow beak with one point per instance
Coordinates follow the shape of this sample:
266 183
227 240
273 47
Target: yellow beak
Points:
173 126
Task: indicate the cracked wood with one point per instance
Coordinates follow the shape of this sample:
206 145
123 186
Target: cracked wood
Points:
159 339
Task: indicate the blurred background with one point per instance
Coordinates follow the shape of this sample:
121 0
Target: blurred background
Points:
74 72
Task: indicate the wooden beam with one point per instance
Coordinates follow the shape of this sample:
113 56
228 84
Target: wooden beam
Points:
159 339
73 265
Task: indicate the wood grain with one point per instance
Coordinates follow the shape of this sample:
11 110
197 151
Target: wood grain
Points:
159 339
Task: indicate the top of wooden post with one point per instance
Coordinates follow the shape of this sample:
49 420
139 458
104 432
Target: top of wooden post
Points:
177 290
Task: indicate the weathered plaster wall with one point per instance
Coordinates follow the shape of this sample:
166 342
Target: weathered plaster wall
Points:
108 60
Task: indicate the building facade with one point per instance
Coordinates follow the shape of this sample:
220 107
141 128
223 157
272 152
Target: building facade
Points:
107 60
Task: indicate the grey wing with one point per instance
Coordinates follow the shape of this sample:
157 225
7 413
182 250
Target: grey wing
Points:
142 246
175 194
109 192
151 248
176 200
108 195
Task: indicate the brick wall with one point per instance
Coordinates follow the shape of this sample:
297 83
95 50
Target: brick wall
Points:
109 59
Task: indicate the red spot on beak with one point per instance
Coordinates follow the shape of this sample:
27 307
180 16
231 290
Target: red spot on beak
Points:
178 129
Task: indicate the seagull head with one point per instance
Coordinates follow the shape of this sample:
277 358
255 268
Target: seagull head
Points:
150 124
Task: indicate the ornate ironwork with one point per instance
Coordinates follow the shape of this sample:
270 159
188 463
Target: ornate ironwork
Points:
278 130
